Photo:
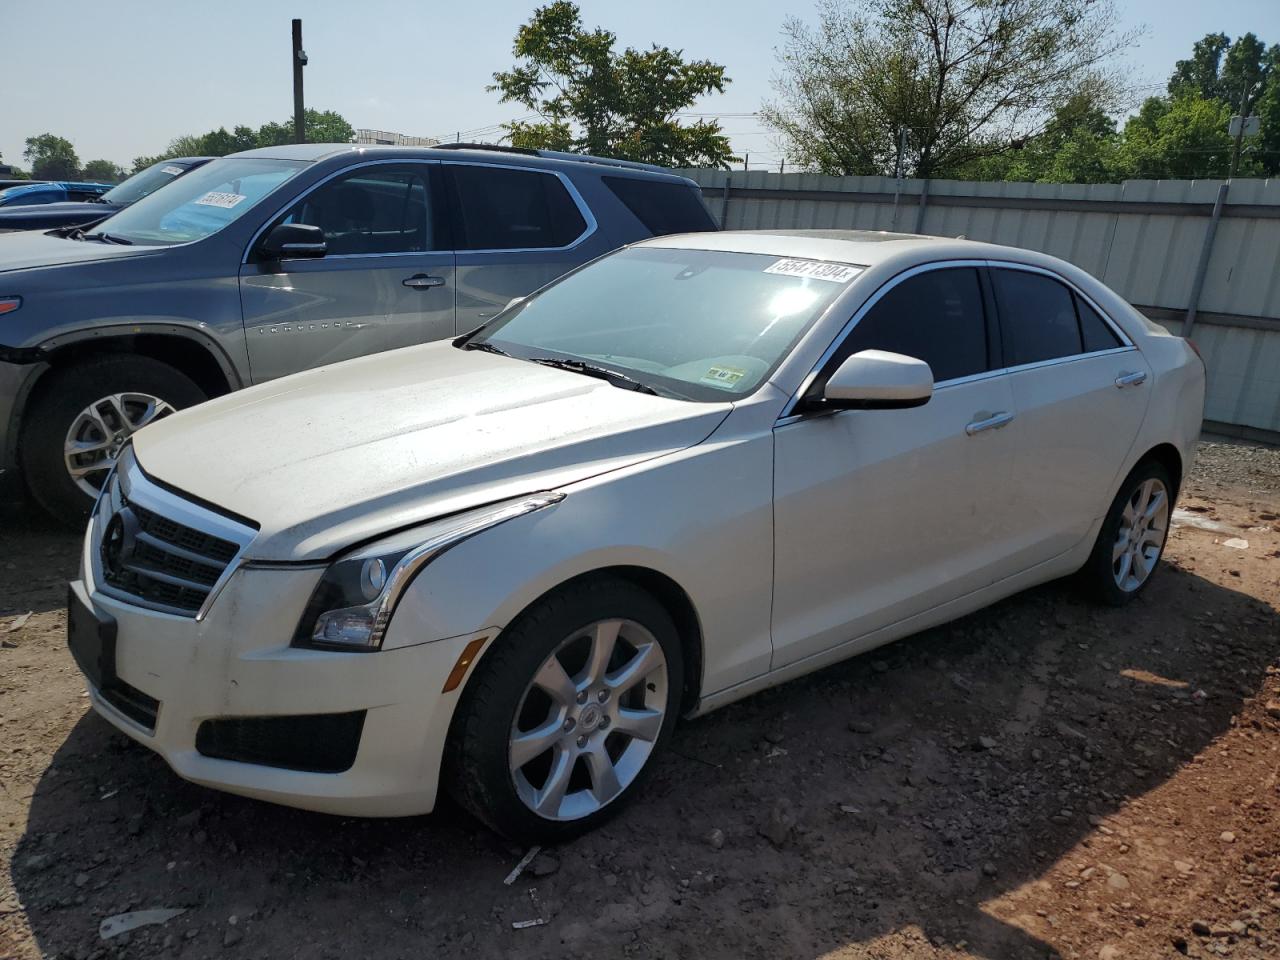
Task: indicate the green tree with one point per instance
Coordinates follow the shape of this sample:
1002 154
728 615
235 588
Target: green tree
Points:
1180 138
326 127
321 127
591 99
966 80
52 158
103 171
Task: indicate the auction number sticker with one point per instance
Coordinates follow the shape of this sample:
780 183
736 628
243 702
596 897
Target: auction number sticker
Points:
726 377
814 269
171 171
224 200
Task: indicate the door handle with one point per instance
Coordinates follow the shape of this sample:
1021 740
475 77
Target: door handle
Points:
993 422
420 281
1131 379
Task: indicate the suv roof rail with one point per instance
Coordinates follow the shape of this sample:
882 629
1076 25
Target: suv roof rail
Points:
555 155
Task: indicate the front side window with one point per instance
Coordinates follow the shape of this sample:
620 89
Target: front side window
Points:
696 324
936 316
375 210
499 208
1037 317
201 203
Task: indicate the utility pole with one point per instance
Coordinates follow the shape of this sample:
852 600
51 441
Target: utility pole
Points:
299 61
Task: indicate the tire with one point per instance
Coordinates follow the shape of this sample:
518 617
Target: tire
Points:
503 701
1107 575
67 394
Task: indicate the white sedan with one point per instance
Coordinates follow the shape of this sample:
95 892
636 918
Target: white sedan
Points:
698 467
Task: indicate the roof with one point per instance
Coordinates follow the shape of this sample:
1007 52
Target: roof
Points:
481 153
864 247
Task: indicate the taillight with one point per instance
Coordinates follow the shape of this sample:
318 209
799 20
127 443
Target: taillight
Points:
10 304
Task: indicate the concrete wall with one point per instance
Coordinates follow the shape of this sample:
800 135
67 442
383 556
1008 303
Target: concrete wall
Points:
1143 238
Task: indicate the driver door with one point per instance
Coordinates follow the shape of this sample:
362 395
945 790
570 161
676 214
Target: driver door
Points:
883 514
386 281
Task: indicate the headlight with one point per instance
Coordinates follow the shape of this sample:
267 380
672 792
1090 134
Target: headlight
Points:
354 600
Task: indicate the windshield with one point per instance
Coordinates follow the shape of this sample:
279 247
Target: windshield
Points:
142 184
698 324
201 203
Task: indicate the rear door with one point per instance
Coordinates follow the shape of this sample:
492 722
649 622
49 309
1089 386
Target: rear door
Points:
1081 393
386 281
515 229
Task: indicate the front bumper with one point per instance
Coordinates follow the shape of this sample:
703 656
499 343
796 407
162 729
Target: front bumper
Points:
237 663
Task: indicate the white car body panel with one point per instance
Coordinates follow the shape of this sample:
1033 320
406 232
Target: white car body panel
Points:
798 540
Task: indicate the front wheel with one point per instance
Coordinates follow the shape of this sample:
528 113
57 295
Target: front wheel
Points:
1131 541
564 716
83 415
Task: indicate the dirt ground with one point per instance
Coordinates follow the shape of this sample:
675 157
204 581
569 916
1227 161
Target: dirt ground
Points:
1043 779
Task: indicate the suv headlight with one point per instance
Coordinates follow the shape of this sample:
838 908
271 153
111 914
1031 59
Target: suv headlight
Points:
355 598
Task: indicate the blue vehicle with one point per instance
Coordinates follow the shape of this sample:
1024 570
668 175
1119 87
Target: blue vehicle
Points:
48 214
51 191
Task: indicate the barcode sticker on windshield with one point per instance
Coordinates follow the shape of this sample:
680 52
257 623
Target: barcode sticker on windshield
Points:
814 269
171 171
224 200
726 377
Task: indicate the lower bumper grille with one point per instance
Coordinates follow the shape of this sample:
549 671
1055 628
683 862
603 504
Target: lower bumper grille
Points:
132 702
316 743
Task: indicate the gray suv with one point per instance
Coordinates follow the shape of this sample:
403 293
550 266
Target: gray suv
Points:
272 261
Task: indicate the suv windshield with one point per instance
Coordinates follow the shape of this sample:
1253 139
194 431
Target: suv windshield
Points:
144 183
200 203
696 324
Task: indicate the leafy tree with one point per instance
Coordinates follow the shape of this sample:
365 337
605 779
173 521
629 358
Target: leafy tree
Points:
52 158
321 127
966 79
1180 137
103 171
591 99
326 127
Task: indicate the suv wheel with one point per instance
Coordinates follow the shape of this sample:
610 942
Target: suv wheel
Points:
562 720
80 419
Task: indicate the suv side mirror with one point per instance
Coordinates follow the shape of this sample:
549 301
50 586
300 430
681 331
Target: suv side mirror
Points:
293 241
878 380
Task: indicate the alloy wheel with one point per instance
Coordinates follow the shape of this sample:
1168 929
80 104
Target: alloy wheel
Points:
588 720
1141 534
101 429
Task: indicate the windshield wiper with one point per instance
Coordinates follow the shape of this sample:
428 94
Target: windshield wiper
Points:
106 238
486 346
591 370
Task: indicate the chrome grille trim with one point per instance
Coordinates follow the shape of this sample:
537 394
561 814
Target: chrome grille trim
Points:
183 549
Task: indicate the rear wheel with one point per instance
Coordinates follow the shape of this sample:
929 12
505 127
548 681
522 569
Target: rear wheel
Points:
1131 541
83 415
562 720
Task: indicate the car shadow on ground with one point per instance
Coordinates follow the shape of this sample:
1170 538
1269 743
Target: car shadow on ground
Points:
897 793
36 552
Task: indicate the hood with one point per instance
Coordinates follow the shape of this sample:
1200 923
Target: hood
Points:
46 215
327 458
30 249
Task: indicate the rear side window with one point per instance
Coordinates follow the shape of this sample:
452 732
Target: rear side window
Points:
663 207
1094 330
1037 317
499 208
936 316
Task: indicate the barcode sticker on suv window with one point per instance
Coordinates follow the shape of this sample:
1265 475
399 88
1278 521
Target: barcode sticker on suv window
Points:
171 171
225 200
814 269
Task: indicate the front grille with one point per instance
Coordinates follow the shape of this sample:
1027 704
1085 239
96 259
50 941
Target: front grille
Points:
132 702
316 743
146 555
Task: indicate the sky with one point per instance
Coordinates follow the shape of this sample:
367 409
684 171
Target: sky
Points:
120 80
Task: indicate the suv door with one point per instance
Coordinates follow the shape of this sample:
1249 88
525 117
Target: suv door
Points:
883 514
1079 388
515 229
386 280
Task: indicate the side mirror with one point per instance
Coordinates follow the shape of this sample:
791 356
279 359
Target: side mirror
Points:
878 380
293 241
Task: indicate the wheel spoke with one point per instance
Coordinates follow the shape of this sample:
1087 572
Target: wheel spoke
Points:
1141 565
1157 501
1144 496
1118 550
534 743
77 448
604 778
552 679
641 724
1122 573
551 795
1130 515
647 659
603 639
1153 537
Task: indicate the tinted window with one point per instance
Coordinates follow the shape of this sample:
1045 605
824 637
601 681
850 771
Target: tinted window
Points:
1097 335
936 316
662 207
1037 317
371 211
504 209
